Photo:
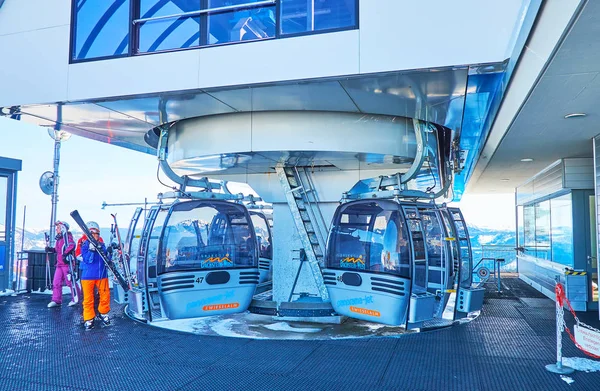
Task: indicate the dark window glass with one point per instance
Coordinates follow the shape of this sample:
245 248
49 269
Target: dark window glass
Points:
298 16
101 28
244 24
171 33
262 235
367 237
207 236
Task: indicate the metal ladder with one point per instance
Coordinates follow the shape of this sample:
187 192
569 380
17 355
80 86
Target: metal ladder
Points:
303 203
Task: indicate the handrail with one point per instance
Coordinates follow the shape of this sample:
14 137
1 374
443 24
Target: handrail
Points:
206 11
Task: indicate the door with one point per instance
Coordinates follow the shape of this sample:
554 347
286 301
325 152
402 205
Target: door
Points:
592 256
131 245
419 254
465 276
4 232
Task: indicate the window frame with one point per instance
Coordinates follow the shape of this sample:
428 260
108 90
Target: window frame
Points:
133 44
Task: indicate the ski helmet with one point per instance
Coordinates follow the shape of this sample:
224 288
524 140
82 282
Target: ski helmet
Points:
93 226
58 222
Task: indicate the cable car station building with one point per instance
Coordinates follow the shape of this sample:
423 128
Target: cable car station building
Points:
385 105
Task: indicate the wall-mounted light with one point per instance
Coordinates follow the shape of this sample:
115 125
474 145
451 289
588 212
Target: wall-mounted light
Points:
575 115
504 180
527 159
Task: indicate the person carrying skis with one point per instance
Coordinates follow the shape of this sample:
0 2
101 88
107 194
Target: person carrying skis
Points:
64 245
94 274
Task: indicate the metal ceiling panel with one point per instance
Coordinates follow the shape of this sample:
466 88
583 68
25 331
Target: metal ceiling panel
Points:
174 107
424 95
312 96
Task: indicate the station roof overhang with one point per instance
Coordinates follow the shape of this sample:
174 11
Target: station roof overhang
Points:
558 75
459 98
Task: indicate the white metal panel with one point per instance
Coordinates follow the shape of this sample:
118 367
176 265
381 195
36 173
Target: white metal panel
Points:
579 173
303 57
344 132
408 34
27 15
573 173
211 135
34 66
134 75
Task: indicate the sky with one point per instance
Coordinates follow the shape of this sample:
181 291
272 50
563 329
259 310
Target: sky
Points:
92 172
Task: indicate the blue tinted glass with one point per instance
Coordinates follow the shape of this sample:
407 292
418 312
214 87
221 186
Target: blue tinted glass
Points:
240 25
298 16
542 230
173 33
101 28
562 230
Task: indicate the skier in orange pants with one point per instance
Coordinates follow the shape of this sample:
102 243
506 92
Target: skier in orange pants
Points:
94 274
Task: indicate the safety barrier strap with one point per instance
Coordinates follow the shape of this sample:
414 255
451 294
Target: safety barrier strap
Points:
561 298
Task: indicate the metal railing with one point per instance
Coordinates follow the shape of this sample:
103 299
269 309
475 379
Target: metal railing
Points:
206 11
497 259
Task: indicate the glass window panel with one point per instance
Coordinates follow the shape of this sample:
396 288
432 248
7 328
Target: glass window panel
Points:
529 228
207 236
101 28
154 242
262 235
542 230
562 230
3 204
166 34
520 227
298 16
593 231
370 239
240 25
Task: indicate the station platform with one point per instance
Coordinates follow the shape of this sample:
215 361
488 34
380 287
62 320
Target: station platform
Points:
505 348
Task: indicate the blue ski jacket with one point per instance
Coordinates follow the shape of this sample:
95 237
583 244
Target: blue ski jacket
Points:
92 267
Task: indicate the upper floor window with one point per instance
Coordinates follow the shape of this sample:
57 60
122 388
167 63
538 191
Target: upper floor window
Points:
109 28
170 33
100 28
299 16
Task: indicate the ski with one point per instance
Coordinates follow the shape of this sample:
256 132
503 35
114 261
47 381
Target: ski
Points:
48 276
109 263
124 266
70 260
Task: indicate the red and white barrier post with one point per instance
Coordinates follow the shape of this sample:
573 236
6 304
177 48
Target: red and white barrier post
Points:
560 323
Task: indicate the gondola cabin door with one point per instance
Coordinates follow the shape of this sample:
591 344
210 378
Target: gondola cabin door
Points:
422 302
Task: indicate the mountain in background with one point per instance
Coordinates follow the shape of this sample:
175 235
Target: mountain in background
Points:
35 240
491 237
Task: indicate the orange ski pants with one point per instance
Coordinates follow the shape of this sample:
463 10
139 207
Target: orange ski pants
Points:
88 297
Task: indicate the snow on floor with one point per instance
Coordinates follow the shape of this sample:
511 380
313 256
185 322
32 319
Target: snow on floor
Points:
248 325
582 364
567 379
8 292
284 326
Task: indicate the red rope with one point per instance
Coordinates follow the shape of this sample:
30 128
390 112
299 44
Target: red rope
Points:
561 298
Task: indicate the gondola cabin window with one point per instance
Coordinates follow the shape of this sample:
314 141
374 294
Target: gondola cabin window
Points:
207 236
372 238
